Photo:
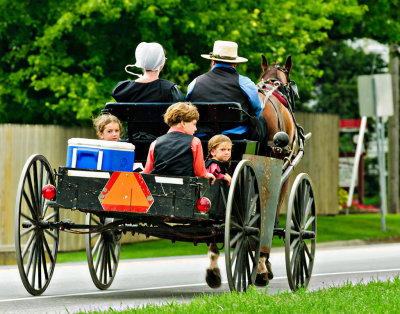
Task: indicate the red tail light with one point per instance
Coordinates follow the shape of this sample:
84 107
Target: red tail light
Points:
49 191
203 204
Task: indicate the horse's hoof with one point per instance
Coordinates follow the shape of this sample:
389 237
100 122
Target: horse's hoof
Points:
261 280
270 273
213 277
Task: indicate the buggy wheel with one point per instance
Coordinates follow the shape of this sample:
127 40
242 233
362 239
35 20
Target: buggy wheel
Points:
242 228
300 233
35 243
102 251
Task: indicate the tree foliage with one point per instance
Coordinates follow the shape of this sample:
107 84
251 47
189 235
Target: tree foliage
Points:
336 91
60 60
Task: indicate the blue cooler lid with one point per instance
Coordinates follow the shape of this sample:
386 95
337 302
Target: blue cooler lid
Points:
87 142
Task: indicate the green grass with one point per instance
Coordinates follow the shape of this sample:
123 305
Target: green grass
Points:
329 228
373 297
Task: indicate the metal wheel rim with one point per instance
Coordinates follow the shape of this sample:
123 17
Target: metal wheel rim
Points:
241 263
102 251
36 248
300 252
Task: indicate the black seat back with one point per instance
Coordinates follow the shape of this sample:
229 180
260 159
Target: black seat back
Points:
145 121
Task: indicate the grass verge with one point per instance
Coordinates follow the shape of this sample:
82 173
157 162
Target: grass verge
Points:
373 297
329 228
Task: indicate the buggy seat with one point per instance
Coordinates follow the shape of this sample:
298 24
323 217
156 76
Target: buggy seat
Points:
145 123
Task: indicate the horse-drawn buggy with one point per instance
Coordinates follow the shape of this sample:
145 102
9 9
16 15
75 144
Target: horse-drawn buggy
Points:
242 217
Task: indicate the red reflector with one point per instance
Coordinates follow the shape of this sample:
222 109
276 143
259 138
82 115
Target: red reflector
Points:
203 204
49 192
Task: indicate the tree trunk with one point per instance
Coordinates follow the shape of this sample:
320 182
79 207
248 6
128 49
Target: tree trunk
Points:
393 164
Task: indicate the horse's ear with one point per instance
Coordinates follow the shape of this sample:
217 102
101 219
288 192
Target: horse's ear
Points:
264 63
288 64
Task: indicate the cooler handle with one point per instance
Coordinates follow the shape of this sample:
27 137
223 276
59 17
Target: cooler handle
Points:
98 153
100 160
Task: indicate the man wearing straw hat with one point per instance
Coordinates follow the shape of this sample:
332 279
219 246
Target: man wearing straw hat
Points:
223 84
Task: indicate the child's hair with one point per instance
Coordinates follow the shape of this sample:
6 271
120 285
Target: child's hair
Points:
181 111
216 140
102 120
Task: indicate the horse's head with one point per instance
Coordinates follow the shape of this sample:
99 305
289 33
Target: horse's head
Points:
275 72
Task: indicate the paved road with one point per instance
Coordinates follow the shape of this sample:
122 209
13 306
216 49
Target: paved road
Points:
155 280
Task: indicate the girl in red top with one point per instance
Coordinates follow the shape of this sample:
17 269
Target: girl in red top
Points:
178 152
219 148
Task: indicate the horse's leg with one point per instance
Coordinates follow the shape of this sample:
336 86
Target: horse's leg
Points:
264 271
213 274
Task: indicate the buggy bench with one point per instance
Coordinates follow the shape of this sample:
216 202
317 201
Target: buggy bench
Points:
145 123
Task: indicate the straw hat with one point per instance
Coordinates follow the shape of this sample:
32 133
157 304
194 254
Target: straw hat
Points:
225 51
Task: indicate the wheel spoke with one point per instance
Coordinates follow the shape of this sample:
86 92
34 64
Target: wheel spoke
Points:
114 258
236 238
28 244
307 274
99 255
29 230
251 255
28 218
296 213
97 244
36 187
39 265
255 238
236 211
236 251
249 199
45 271
294 255
294 244
109 259
32 193
49 253
310 257
53 214
306 193
31 208
40 186
235 224
254 220
253 207
50 234
307 210
34 262
238 267
309 222
30 257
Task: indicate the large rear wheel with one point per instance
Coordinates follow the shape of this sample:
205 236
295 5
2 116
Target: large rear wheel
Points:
35 243
242 228
300 233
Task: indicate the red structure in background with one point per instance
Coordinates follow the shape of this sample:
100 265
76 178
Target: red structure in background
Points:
352 126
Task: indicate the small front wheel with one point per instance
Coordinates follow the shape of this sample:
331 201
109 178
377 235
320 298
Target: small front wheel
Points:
300 233
102 251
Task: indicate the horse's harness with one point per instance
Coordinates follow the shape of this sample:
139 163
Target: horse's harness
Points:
283 91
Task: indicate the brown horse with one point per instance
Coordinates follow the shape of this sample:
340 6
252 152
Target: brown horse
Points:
274 86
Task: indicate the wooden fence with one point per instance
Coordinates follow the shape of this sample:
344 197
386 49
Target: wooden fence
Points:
18 142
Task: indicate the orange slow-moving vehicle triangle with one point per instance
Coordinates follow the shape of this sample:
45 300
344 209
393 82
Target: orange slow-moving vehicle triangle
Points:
127 192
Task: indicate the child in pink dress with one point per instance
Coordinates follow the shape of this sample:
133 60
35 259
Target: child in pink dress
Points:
219 148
